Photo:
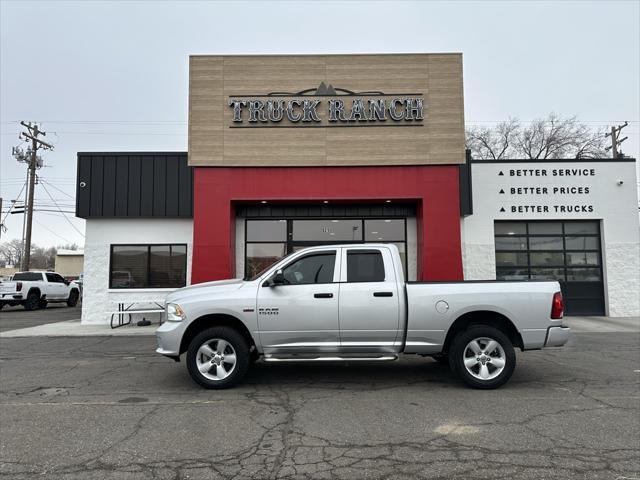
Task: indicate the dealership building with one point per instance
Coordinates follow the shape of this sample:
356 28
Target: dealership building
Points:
291 151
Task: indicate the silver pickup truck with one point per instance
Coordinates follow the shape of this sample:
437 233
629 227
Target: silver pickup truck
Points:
351 303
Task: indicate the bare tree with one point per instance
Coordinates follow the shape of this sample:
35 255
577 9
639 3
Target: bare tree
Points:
493 143
11 253
41 257
550 137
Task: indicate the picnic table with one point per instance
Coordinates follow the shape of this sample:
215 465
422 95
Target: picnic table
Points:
126 309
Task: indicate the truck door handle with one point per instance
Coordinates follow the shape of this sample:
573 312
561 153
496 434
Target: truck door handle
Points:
383 294
323 295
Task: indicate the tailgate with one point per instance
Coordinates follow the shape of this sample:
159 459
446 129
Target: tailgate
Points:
7 287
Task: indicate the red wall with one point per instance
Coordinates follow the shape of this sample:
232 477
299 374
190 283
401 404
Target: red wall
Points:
434 188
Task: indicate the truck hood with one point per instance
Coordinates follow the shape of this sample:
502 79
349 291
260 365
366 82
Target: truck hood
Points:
207 288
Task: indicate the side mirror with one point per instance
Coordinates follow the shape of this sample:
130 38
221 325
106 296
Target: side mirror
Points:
278 278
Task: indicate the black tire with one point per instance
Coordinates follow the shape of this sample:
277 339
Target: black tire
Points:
42 304
32 302
72 301
235 340
457 357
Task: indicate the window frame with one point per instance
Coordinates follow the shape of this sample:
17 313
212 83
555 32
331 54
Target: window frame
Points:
290 243
366 251
148 267
336 267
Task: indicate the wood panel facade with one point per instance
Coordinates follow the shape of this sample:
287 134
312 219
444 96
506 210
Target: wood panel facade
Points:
214 139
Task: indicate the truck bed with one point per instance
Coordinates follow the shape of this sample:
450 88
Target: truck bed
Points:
434 306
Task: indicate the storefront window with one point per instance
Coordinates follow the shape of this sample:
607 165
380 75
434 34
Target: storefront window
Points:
267 231
329 230
148 266
261 256
384 230
269 240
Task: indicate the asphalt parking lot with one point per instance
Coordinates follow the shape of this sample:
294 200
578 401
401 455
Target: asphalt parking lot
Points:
15 317
109 408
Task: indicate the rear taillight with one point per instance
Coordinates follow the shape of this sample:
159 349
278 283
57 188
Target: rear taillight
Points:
19 287
557 306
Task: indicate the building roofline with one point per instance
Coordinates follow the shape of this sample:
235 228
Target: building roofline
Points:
556 160
147 153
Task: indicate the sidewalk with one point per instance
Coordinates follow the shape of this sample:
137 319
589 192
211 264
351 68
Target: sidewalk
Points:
602 324
73 328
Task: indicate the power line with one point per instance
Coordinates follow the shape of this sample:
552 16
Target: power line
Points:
2 227
65 216
61 191
56 234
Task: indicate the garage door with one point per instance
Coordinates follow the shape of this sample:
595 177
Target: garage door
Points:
568 251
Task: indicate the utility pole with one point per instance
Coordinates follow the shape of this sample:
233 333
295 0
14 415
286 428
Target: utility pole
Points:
615 135
34 162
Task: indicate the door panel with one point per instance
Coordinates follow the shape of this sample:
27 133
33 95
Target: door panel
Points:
54 287
369 309
301 316
295 318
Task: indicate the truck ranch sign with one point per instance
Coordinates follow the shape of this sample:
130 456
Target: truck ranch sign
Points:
355 110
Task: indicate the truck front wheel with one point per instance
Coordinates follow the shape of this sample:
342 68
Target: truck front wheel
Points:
483 357
72 301
218 358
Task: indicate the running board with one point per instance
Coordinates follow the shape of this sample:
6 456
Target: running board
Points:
308 358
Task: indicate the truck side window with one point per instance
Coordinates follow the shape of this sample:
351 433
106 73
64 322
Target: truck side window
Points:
51 277
365 266
317 268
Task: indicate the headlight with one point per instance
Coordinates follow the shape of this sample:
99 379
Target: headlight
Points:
175 313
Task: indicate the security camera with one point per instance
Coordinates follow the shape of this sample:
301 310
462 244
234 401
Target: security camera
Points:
620 182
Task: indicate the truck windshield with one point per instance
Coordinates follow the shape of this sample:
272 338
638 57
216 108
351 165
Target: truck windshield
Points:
28 276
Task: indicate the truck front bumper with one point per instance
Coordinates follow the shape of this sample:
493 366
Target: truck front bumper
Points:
557 336
169 337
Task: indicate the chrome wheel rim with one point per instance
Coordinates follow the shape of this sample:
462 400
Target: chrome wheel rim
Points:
216 359
484 358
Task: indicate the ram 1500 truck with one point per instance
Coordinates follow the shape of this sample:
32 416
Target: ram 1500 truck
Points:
351 303
35 290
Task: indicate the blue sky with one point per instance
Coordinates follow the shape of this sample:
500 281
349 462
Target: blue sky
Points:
113 75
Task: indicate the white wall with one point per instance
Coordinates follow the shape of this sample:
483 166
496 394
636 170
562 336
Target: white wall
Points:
98 299
614 204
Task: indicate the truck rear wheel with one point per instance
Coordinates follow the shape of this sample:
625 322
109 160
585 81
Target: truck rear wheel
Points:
32 302
483 357
218 358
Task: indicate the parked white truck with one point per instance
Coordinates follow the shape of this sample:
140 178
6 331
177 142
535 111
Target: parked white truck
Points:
351 303
35 290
